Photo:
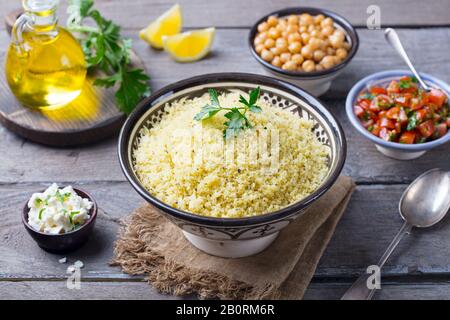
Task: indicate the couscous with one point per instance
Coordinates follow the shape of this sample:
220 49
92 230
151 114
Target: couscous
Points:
190 166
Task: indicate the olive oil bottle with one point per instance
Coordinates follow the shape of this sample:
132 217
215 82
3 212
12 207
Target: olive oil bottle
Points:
45 65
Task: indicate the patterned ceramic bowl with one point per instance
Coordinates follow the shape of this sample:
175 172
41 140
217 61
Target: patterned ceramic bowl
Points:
393 150
243 236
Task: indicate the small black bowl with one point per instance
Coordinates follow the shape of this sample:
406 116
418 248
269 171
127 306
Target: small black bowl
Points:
66 242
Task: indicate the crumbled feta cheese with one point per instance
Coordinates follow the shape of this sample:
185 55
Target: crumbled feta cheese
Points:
79 264
62 260
57 211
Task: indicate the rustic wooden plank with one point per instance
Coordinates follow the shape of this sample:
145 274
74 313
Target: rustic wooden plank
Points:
390 291
364 163
57 290
200 13
361 237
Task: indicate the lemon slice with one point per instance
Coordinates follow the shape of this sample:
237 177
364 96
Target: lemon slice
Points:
189 46
169 23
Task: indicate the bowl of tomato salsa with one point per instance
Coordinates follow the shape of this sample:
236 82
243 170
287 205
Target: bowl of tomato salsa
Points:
403 120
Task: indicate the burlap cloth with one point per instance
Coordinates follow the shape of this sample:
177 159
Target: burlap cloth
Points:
150 245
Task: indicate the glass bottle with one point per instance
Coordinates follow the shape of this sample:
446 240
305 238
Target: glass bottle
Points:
45 65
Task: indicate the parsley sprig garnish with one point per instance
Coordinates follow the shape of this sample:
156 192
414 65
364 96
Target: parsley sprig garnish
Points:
237 119
106 50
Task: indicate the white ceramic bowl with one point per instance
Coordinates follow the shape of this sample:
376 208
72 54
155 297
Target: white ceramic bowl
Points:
393 150
242 236
317 82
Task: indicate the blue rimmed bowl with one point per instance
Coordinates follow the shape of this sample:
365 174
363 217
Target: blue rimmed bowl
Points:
393 149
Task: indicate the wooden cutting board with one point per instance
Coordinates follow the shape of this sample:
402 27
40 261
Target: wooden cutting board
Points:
91 117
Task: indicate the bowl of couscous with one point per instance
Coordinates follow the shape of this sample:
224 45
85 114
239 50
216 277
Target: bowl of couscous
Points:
231 158
308 47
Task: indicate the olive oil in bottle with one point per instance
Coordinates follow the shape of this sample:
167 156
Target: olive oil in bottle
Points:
45 65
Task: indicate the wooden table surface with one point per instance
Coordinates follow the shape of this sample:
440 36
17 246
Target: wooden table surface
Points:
420 268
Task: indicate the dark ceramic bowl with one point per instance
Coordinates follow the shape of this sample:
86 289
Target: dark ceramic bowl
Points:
317 82
67 242
242 236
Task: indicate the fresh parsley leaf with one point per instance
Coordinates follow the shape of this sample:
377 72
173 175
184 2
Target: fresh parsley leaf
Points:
214 98
206 112
255 109
71 215
254 96
106 50
236 115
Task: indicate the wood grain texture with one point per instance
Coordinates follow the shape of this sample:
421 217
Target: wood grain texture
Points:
360 239
237 13
57 290
419 269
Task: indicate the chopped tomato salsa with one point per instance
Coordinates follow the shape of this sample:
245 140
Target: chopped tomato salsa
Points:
403 112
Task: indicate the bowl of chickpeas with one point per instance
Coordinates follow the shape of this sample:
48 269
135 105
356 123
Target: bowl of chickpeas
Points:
308 47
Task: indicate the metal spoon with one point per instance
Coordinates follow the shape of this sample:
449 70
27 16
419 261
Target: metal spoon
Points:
423 204
393 39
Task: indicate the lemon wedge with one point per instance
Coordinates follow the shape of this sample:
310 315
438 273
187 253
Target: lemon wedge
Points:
189 46
169 23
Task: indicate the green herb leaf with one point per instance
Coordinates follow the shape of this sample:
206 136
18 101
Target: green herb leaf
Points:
237 119
254 96
206 112
405 84
412 122
40 213
214 98
255 109
107 51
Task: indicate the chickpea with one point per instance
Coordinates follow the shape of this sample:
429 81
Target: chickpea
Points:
327 22
263 36
327 31
325 44
302 29
307 52
282 23
285 57
314 43
319 67
294 37
289 65
282 44
276 62
298 59
318 55
295 47
336 41
292 28
263 26
331 51
293 19
276 51
305 37
269 43
274 33
327 62
311 28
259 48
316 34
319 18
341 53
339 34
308 65
347 45
272 21
257 41
306 19
267 55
